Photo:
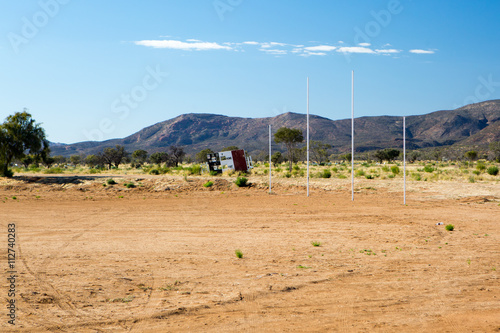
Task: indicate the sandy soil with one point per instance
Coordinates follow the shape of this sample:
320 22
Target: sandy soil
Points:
161 257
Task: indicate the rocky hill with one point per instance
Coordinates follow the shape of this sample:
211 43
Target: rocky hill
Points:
475 124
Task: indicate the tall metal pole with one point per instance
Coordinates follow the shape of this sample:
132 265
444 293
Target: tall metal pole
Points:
352 136
308 136
270 164
404 159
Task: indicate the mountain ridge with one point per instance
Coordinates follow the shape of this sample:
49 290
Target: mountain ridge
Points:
474 124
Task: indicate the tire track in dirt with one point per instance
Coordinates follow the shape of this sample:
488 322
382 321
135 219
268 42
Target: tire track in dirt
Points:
61 299
147 307
162 315
62 302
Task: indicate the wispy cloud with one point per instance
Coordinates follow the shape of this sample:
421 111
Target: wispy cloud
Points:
417 51
179 45
355 49
278 48
321 48
387 51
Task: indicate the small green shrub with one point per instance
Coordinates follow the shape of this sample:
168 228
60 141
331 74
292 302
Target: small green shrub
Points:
241 181
154 172
111 181
429 168
208 184
53 170
341 176
385 168
481 166
288 175
195 170
369 177
492 170
129 185
359 173
326 174
450 227
239 254
395 170
476 172
94 171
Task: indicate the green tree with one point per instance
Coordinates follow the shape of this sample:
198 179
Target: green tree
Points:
19 134
114 156
289 137
386 155
319 151
276 158
159 158
75 159
494 151
59 159
27 161
92 160
413 156
346 157
230 148
139 157
471 155
176 155
201 157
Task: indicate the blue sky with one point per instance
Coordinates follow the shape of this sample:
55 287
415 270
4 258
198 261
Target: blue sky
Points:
95 70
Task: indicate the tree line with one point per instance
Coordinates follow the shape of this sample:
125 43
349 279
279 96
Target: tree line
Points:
23 140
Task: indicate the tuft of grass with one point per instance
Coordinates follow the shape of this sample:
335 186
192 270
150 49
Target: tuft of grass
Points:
241 181
208 184
303 267
429 168
239 254
315 243
450 227
111 181
395 170
53 170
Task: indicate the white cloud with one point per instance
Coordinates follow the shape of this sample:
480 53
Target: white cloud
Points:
307 54
274 51
355 49
277 48
323 48
178 45
417 51
387 51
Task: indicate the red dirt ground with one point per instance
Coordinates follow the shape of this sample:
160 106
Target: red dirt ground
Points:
161 257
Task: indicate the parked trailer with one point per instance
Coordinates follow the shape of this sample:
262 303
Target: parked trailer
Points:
234 160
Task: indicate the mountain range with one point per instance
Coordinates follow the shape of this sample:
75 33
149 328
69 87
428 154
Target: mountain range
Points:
474 124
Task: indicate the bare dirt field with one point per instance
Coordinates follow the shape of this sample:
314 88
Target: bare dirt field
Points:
160 257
